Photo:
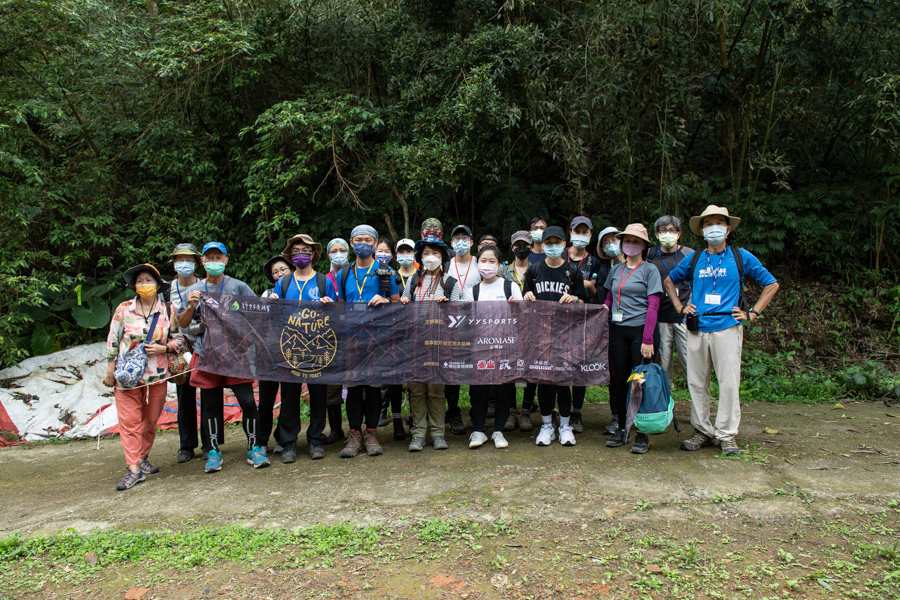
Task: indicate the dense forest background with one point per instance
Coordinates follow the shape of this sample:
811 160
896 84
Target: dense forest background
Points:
127 127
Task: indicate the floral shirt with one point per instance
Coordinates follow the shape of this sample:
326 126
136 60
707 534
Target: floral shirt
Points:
129 327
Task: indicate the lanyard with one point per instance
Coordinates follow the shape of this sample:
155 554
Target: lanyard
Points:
431 287
360 288
716 273
515 274
297 282
674 260
402 279
221 285
622 282
462 281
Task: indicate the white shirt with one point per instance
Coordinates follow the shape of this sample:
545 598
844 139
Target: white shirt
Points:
493 291
458 272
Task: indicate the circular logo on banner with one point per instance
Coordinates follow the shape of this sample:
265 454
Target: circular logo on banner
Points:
308 342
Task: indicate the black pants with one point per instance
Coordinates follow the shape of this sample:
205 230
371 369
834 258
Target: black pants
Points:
452 394
289 418
267 392
187 419
505 395
578 393
528 396
212 409
318 394
551 395
363 401
624 356
396 395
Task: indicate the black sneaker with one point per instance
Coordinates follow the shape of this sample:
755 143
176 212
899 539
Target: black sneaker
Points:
289 453
641 443
612 427
131 480
185 456
399 431
316 451
205 455
618 439
457 426
575 422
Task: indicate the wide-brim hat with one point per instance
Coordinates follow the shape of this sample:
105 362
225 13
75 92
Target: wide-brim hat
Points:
302 237
637 230
270 264
606 231
712 209
436 242
131 275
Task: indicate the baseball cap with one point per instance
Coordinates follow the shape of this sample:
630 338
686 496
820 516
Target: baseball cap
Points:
217 245
581 221
405 242
554 231
521 236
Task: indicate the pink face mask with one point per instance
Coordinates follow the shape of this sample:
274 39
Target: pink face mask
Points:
487 270
632 248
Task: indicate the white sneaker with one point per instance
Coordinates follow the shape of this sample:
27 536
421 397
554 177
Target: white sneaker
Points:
546 435
476 439
566 435
499 440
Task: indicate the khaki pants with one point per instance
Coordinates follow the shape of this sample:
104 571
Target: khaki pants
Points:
720 350
673 334
333 395
426 407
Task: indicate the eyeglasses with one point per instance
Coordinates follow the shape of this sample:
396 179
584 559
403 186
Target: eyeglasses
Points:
296 252
669 230
460 238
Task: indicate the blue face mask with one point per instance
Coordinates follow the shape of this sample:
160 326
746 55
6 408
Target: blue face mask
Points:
185 269
383 257
580 241
612 250
363 250
405 259
715 234
339 259
461 247
554 250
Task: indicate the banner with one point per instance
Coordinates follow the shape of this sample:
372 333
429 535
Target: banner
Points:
477 343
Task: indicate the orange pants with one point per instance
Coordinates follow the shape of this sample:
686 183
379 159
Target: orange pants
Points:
138 411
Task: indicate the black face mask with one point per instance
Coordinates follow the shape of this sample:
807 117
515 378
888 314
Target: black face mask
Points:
522 252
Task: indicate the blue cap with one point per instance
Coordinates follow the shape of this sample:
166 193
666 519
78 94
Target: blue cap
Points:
217 245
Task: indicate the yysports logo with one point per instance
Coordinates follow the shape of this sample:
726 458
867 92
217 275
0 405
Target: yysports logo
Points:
455 321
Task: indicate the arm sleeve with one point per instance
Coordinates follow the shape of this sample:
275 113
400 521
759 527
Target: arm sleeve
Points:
608 301
652 314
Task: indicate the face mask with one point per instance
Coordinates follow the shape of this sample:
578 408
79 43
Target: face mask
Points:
668 239
363 250
537 235
301 261
522 252
461 247
580 241
383 257
612 250
632 248
185 269
405 260
554 250
146 291
339 259
431 262
715 234
214 268
487 270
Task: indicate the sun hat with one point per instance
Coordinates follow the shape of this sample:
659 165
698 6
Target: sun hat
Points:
302 237
710 210
637 230
270 264
432 241
186 250
131 275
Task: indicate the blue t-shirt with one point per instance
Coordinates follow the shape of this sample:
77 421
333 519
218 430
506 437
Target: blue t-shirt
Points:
536 257
310 289
367 281
717 274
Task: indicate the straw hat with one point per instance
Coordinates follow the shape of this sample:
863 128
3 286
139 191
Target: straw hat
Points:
637 230
712 209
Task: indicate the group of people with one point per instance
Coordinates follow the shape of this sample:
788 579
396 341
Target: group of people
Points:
659 299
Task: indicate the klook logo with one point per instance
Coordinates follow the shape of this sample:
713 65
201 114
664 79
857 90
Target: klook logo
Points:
593 367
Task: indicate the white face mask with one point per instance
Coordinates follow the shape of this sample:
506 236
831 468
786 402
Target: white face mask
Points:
431 262
580 241
715 234
405 259
339 259
537 235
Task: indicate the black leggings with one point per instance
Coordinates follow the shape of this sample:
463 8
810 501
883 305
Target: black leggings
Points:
528 397
451 392
395 392
551 395
624 356
480 396
187 419
578 393
212 408
363 401
267 392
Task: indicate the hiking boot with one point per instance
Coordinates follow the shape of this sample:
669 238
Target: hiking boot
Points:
417 444
566 435
641 443
730 448
575 422
439 443
545 435
316 451
477 439
131 480
289 454
525 425
353 446
213 461
512 422
696 441
257 459
146 467
373 448
399 431
612 427
618 439
499 440
457 426
185 456
334 421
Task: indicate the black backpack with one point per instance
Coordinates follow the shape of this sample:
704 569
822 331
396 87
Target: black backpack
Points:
507 289
321 282
739 261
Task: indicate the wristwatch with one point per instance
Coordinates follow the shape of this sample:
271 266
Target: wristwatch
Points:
752 310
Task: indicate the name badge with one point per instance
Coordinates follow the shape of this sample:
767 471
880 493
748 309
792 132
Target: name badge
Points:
713 299
618 317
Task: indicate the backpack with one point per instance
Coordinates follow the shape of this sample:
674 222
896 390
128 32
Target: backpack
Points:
739 261
507 289
321 283
650 407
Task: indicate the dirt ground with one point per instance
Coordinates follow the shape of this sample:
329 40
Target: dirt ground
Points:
817 488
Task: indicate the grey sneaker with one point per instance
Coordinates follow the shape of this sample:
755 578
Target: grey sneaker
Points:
439 443
612 427
575 422
730 448
131 480
525 425
417 444
696 441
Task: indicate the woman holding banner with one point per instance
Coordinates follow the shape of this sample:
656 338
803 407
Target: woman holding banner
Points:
338 254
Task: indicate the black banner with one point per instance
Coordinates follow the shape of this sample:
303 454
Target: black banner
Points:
479 343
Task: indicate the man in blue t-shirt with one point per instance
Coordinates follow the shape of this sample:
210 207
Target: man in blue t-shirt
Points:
361 282
716 299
